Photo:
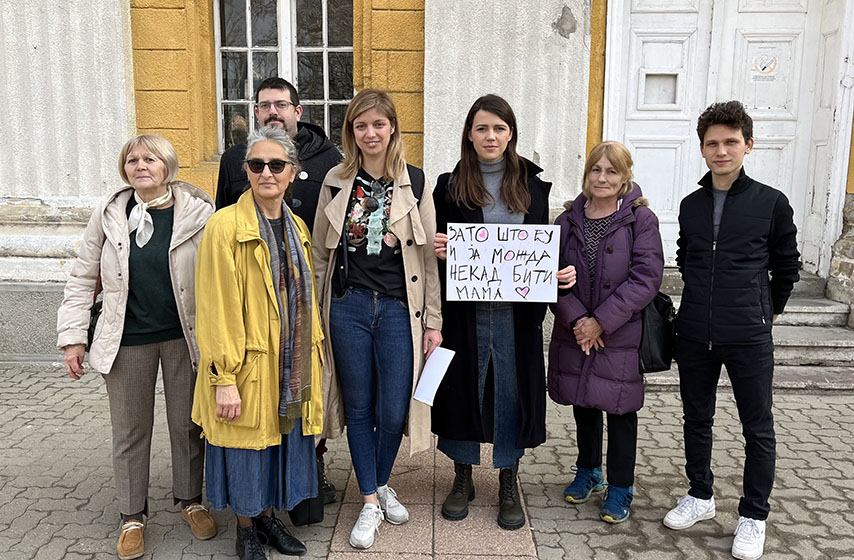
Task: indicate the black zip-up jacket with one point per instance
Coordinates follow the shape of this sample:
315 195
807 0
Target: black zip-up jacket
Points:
728 296
317 155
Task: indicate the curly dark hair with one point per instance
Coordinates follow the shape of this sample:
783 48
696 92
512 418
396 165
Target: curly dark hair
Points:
727 113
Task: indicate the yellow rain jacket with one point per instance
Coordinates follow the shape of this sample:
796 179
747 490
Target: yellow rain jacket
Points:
237 329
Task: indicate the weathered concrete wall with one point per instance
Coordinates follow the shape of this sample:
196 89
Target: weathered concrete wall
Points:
535 56
840 283
68 106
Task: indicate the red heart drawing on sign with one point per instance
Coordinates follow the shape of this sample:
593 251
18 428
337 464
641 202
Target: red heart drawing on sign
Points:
523 291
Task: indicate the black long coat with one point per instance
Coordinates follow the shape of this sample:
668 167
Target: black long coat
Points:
456 409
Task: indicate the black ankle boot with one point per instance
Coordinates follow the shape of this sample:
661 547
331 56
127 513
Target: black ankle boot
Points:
272 531
247 546
327 489
510 514
456 505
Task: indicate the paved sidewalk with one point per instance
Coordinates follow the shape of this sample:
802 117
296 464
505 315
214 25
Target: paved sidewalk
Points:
57 496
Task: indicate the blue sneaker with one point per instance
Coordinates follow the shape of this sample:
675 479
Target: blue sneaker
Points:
586 482
618 499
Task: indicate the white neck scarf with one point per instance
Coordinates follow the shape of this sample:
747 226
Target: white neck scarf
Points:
140 220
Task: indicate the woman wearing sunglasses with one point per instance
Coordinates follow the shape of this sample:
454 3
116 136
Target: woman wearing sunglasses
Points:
139 249
258 391
494 390
376 271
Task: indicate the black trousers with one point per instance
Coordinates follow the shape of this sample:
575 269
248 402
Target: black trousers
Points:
622 443
751 372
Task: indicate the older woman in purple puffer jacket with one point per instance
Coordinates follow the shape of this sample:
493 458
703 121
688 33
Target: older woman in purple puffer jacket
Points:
611 236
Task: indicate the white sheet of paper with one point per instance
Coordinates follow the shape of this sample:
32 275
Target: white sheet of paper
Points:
432 374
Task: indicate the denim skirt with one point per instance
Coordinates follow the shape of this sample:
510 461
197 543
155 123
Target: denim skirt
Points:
252 480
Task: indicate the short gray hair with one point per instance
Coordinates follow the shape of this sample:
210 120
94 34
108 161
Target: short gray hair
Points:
280 137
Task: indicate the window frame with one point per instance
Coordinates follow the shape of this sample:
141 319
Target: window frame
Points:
288 66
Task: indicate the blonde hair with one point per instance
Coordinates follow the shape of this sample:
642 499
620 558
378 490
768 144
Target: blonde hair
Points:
619 157
157 145
366 100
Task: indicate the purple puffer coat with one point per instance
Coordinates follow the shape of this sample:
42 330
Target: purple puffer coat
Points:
627 277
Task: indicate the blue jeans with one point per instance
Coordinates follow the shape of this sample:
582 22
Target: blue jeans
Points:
500 409
372 346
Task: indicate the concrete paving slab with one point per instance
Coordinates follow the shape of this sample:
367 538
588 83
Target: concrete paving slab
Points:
57 498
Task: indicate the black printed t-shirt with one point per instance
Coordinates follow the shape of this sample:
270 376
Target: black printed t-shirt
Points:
374 257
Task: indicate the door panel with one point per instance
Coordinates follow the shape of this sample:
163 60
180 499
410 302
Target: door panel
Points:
682 56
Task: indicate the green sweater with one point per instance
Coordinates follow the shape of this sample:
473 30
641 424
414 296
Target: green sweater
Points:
152 314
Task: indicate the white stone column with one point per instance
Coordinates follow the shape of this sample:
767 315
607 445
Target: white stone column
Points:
66 92
534 54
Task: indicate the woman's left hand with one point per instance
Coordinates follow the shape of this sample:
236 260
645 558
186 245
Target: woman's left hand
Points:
566 277
432 340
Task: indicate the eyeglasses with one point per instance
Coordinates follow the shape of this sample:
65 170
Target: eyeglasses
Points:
281 105
377 189
276 165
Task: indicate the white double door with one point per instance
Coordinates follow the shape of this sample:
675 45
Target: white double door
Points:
669 59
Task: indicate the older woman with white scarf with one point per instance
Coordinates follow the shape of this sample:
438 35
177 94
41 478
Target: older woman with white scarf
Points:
139 249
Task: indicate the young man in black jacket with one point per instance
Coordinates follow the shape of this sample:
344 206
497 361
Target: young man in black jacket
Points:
738 255
277 105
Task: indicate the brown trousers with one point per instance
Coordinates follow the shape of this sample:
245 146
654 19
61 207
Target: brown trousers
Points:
130 387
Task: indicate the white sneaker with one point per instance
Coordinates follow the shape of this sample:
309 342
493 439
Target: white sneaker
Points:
688 511
362 535
394 511
749 542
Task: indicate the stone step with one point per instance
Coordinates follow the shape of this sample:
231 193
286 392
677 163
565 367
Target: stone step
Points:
806 345
786 378
809 286
803 311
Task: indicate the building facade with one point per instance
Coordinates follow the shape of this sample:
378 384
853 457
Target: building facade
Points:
82 77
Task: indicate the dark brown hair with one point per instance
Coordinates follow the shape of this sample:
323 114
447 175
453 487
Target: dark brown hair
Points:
467 188
727 113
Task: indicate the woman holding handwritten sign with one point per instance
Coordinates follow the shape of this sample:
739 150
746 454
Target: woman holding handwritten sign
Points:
494 389
611 236
379 289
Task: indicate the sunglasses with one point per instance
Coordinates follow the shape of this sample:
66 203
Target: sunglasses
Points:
276 166
377 189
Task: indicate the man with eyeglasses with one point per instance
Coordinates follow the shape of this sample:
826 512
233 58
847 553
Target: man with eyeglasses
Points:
277 105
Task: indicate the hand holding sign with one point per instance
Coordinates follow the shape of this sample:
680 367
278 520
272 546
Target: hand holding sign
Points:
502 262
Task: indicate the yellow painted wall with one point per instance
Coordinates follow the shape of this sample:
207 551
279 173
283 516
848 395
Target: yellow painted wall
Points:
174 81
388 53
596 84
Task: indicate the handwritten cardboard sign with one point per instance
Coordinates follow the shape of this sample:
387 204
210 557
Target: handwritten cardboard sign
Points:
502 262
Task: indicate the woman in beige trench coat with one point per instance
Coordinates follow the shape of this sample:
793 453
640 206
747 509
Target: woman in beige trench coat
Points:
379 289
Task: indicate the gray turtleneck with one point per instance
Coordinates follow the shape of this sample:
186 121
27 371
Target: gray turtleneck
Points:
496 212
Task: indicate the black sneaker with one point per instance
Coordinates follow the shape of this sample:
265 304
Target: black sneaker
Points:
272 531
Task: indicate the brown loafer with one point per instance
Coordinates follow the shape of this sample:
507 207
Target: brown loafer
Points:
200 521
130 541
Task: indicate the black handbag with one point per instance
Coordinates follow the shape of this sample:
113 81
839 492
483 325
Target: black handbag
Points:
658 335
310 510
658 332
95 313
